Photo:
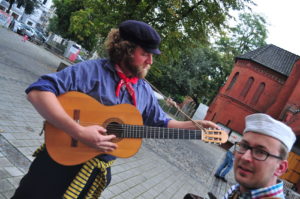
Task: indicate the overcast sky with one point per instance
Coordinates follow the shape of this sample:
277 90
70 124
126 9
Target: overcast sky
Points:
283 18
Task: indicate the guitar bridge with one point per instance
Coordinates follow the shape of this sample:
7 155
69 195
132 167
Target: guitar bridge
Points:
76 117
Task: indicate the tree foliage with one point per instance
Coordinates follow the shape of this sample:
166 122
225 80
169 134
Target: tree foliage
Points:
195 74
182 21
248 34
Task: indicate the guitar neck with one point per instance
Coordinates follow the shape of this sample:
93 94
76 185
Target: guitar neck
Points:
137 131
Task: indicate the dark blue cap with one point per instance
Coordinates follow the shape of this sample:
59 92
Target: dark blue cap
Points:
141 34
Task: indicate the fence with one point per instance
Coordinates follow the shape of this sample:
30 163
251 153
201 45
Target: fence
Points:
188 108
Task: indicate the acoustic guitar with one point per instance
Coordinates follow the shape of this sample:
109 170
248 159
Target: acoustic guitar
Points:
122 120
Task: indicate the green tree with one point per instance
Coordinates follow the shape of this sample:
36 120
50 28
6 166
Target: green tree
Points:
29 5
180 23
195 74
248 34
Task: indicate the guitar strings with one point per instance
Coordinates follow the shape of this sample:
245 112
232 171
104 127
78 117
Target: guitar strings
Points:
154 132
209 131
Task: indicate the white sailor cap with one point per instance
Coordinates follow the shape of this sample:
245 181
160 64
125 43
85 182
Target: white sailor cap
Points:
265 124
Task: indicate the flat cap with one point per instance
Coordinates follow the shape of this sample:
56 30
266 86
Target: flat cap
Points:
265 124
141 34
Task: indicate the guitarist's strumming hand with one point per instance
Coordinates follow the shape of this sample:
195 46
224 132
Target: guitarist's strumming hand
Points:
95 137
47 104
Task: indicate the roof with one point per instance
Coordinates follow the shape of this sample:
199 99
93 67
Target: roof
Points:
272 57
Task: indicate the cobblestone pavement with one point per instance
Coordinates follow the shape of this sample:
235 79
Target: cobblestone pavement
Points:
161 168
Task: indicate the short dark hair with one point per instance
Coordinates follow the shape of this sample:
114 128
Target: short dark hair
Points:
118 48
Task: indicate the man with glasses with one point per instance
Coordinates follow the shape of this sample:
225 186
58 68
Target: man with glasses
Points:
260 158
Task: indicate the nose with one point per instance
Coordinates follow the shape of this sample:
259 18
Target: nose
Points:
247 155
149 59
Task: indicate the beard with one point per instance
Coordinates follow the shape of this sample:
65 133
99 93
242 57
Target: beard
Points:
139 71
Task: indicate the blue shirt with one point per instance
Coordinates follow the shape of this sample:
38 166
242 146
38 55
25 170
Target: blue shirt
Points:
99 79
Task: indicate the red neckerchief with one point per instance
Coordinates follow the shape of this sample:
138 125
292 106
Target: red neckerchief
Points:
127 82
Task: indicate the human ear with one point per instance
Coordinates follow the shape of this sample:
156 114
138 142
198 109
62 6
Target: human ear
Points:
282 167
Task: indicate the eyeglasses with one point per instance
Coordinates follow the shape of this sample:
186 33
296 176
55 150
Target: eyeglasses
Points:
257 153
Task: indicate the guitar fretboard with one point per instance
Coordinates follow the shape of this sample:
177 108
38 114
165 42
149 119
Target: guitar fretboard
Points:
136 131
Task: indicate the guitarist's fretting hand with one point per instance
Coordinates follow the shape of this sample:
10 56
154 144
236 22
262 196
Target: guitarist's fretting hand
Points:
208 124
191 125
94 136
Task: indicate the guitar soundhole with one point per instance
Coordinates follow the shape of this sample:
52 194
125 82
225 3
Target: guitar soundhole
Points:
114 126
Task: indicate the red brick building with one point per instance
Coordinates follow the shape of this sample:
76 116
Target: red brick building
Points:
266 80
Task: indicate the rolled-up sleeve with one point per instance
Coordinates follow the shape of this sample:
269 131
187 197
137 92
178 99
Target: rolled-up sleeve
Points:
63 81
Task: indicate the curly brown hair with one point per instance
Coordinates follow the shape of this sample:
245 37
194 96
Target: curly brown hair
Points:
117 48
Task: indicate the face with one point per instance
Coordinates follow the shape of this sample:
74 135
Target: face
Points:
251 173
139 64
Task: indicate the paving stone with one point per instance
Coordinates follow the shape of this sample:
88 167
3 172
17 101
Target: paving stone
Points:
12 155
8 194
8 136
3 173
13 171
106 194
4 162
5 185
15 180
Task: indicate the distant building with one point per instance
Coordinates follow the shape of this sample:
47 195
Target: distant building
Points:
200 112
38 19
266 80
16 10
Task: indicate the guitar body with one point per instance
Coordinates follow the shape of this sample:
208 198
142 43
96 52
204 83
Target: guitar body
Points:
67 151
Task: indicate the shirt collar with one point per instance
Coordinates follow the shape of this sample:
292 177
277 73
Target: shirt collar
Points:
109 65
272 191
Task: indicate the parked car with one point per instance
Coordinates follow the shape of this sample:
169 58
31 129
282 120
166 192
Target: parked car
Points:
24 29
38 37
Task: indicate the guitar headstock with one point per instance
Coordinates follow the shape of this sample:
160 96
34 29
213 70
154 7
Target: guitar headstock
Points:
214 136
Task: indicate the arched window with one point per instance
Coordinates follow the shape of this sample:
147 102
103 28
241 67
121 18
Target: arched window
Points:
247 87
258 93
233 81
